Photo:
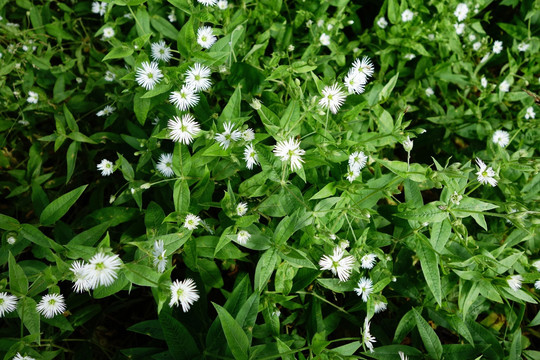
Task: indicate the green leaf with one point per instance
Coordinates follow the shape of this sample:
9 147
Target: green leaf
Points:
427 213
429 262
26 308
429 337
179 340
237 339
150 328
141 275
440 233
232 110
9 223
387 89
186 39
164 27
33 234
265 267
327 191
181 196
71 159
59 207
337 286
18 282
119 52
141 106
415 172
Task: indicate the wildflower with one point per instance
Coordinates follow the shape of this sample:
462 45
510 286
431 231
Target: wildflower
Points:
523 47
198 77
11 240
408 144
224 139
429 92
82 283
514 282
472 37
241 209
409 56
108 32
183 129
357 160
255 104
380 306
290 48
364 67
222 4
354 82
164 166
106 167
537 284
324 39
497 47
530 114
242 237
184 292
172 16
352 174
149 75
431 37
368 261
192 221
460 27
250 156
110 76
185 98
402 356
205 37
339 264
455 198
8 303
102 269
51 305
461 11
382 23
343 244
364 289
20 357
485 174
290 150
483 82
160 51
107 110
248 135
99 7
33 97
504 86
207 2
407 15
536 264
160 260
477 45
333 97
367 338
501 138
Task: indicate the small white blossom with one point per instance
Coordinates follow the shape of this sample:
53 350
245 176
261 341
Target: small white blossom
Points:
206 37
367 338
530 114
160 260
164 166
460 27
364 289
501 138
514 282
250 156
461 11
11 240
242 237
106 167
407 15
352 174
160 51
248 135
339 264
18 356
172 16
192 221
324 39
108 32
483 82
51 305
224 139
429 92
504 86
222 4
523 47
364 67
33 97
409 56
183 129
148 75
8 303
107 110
402 356
333 97
241 209
357 161
354 82
456 198
536 264
408 144
183 292
80 274
497 47
472 37
99 7
477 45
102 269
382 23
109 76
290 150
198 76
380 306
485 174
368 261
184 99
207 2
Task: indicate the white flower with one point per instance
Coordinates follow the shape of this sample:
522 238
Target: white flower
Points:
472 37
110 76
8 303
460 27
382 23
504 86
242 237
250 156
354 82
205 37
108 32
367 338
164 166
352 174
407 15
536 264
241 209
198 76
290 48
11 240
51 305
160 260
339 264
207 2
530 114
409 56
172 16
82 283
329 27
33 97
523 47
501 138
364 67
343 244
248 135
184 292
183 129
408 144
99 7
456 198
380 306
290 150
514 282
485 174
184 99
255 104
107 110
106 167
149 75
461 11
222 4
402 356
497 47
431 37
483 82
320 23
368 261
357 161
102 269
20 357
333 97
160 51
224 139
324 39
429 92
192 221
364 289
537 284
477 45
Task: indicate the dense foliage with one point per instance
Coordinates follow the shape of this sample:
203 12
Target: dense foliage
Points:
261 179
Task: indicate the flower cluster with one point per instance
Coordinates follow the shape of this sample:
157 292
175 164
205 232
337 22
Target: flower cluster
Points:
101 270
